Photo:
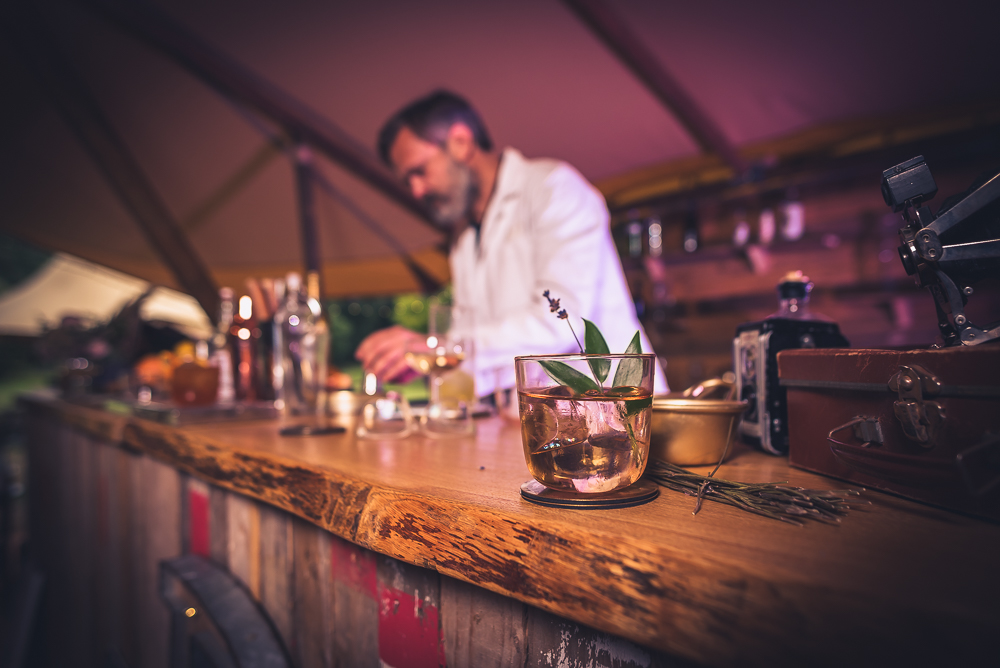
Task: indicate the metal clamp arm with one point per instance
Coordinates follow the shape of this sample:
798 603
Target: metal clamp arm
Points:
976 250
982 196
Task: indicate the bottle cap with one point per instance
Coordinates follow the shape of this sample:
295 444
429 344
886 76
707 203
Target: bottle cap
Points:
794 285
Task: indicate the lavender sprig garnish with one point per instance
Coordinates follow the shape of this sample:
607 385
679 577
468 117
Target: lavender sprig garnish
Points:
562 315
627 378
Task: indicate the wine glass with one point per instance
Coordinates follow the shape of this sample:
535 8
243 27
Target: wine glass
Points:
440 356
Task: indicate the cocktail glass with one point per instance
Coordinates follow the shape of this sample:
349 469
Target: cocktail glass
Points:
588 436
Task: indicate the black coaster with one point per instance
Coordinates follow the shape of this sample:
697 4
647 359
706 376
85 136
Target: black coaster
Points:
311 430
635 494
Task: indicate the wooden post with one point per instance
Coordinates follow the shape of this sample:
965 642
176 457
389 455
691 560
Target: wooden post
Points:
308 229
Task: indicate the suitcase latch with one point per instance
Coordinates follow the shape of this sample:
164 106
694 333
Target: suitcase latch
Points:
920 418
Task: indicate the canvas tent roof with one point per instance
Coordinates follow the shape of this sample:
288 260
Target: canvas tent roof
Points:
543 81
67 286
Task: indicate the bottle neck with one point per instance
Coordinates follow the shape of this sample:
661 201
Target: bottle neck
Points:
797 309
225 316
794 308
312 285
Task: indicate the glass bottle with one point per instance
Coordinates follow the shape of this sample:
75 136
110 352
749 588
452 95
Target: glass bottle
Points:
322 337
221 353
793 299
301 343
243 335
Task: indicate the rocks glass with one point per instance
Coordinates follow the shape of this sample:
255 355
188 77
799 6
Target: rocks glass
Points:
589 433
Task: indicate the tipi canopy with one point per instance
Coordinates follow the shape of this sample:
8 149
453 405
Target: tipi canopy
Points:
68 287
622 90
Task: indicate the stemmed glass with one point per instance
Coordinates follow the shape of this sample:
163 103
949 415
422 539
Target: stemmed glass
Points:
440 356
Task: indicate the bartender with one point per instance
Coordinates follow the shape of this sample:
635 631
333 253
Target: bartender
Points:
517 228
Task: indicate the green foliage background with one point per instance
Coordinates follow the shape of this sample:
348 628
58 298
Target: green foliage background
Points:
351 320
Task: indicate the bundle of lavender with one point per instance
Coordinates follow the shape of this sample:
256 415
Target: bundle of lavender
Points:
770 499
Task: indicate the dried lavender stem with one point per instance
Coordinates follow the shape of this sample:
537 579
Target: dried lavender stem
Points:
775 500
579 345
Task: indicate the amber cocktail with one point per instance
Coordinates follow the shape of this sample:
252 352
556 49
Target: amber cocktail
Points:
580 435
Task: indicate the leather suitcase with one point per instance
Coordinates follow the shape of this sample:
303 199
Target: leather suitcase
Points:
923 424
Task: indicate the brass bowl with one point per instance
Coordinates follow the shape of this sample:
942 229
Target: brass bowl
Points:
692 432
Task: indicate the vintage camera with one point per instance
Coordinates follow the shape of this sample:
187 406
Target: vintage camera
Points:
950 252
755 361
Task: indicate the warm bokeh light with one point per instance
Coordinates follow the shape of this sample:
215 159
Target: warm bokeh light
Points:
246 307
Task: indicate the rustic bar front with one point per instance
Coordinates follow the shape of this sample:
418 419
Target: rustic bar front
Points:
421 552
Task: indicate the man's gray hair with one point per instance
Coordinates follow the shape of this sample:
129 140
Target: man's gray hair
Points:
430 118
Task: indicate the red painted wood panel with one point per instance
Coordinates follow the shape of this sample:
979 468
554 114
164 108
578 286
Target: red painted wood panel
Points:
198 519
409 624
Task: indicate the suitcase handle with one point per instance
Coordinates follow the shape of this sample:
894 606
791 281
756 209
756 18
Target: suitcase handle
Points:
868 430
913 471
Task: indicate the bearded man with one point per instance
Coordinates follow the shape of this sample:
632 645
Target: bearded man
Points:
518 227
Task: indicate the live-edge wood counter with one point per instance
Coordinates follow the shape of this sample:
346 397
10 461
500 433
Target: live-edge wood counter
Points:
895 582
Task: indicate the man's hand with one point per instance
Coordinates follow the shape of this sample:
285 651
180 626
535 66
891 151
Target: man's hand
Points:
382 353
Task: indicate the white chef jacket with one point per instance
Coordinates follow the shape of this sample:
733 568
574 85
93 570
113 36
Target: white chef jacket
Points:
545 228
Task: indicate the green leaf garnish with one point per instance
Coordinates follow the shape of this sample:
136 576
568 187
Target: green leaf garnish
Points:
629 371
636 405
566 375
596 345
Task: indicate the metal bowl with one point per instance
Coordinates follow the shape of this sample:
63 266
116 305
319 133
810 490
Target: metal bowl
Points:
692 432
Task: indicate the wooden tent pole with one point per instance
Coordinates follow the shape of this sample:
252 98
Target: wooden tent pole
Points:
233 80
428 284
606 23
81 112
305 188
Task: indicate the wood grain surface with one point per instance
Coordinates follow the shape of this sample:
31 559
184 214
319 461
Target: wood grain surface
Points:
896 581
311 612
482 629
356 611
276 570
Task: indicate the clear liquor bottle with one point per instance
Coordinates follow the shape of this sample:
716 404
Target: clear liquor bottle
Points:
301 343
220 352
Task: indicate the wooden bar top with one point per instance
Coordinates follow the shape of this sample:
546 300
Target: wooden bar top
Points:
895 582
